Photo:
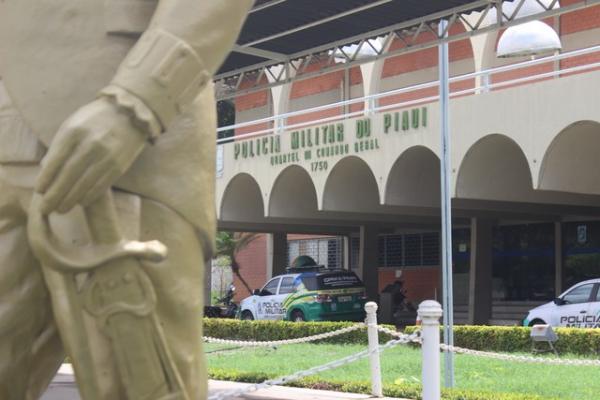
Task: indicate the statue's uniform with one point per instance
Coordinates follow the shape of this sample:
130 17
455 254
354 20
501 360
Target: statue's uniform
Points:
68 51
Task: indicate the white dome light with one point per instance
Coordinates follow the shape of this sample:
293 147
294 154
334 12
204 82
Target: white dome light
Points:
530 38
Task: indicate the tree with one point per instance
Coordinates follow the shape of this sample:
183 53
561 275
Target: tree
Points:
229 244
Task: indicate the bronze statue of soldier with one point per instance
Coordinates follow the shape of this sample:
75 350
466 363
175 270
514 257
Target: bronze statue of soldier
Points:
107 135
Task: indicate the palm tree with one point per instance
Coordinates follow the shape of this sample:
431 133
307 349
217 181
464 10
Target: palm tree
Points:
229 244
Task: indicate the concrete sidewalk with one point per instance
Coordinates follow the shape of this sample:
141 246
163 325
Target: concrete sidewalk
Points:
63 388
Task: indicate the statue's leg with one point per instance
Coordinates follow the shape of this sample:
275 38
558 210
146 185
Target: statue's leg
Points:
179 287
30 351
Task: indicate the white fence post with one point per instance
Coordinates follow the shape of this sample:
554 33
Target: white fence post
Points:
376 386
430 312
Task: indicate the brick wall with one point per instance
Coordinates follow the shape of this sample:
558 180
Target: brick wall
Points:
253 267
420 283
427 58
578 21
252 101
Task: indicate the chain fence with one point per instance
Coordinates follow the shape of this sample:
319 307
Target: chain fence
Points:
519 357
427 337
232 394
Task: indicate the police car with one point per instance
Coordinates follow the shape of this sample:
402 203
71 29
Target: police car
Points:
578 307
308 293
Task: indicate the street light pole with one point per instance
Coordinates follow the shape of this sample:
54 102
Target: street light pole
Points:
448 304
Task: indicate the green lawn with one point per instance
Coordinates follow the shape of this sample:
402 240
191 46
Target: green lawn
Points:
403 365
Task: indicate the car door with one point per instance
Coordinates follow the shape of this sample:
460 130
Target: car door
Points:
574 310
594 309
267 299
286 287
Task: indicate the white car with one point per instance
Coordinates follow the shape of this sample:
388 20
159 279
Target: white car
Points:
578 307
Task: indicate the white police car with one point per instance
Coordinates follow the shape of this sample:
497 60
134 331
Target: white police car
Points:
308 294
578 307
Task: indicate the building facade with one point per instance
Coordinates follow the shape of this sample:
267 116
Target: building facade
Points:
345 166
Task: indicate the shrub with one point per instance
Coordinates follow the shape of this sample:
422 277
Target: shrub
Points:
279 330
489 338
516 339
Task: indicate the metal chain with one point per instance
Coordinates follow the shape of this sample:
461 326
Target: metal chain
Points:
312 338
221 351
231 394
519 358
393 333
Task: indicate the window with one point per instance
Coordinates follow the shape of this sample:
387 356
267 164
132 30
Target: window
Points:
354 252
409 250
412 251
325 251
287 285
390 251
271 287
578 295
431 248
598 293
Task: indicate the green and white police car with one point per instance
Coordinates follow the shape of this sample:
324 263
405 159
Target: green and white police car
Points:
308 294
578 307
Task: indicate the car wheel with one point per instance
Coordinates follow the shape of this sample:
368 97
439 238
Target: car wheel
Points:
247 316
537 321
298 316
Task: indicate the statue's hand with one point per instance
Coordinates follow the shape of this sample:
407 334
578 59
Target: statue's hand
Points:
90 151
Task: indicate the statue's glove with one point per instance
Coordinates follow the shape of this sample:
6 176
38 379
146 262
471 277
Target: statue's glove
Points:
91 150
164 72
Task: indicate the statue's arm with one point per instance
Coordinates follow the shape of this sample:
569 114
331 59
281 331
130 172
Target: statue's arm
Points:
186 42
174 59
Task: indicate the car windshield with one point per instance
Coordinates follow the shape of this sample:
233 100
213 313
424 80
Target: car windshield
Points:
337 280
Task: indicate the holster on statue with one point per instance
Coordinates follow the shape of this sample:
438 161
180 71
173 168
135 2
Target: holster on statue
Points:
118 294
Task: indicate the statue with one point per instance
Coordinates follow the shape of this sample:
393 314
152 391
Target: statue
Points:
107 132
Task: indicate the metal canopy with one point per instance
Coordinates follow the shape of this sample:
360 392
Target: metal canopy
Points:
281 38
277 31
291 26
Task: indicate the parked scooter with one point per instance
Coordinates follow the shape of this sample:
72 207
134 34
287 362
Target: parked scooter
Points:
225 308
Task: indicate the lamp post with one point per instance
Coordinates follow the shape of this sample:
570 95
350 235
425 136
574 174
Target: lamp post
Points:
528 39
447 301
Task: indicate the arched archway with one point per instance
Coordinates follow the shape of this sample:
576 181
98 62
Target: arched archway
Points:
570 163
242 200
293 194
495 168
414 179
351 186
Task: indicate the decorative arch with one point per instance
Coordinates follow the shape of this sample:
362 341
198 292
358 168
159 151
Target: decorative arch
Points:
293 194
570 163
495 168
351 186
414 179
242 200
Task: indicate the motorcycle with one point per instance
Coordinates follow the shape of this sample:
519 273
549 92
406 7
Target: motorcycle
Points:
225 307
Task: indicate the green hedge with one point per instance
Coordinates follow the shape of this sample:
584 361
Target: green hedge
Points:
516 339
491 338
391 390
279 330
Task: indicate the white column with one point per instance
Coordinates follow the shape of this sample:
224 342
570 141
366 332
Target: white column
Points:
281 96
430 312
374 362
